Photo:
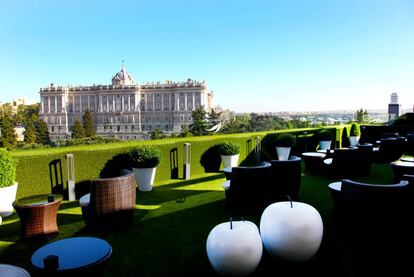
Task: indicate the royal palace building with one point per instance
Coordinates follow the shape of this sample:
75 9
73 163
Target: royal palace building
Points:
124 110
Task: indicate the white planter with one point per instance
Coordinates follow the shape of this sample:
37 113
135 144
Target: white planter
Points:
325 144
145 178
353 140
7 197
230 160
283 153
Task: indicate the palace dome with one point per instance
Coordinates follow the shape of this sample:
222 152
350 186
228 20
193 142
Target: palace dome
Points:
122 78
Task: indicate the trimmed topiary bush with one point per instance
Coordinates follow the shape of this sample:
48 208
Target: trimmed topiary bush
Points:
7 169
210 159
355 132
115 165
144 156
285 140
228 148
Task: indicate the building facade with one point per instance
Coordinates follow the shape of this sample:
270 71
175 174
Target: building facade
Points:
394 107
124 110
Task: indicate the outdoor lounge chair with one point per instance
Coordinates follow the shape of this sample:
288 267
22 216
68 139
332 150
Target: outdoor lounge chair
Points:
364 202
285 178
364 160
373 222
390 149
343 163
111 201
245 191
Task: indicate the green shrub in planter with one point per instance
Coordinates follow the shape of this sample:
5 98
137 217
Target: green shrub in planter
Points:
324 135
228 148
355 132
144 157
7 169
211 159
285 140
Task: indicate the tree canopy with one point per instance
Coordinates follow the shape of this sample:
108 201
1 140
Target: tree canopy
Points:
77 130
88 125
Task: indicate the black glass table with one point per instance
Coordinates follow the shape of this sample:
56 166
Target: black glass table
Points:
79 254
313 162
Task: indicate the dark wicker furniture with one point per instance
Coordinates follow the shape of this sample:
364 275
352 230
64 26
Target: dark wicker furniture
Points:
285 179
111 201
247 188
373 220
400 168
343 163
365 159
390 149
313 162
38 216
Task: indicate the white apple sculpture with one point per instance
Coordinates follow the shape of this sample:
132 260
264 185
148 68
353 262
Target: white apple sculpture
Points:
291 230
234 248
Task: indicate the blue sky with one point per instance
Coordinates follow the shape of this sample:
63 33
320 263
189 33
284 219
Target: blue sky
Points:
258 55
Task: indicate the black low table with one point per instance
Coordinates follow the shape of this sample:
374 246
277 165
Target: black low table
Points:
313 162
80 254
400 168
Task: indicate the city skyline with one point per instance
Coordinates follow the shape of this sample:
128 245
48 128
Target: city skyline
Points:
257 56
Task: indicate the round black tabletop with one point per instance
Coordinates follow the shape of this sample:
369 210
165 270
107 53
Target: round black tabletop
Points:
74 253
36 200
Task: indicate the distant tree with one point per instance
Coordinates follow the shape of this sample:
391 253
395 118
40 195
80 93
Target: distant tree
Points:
88 125
31 112
6 110
8 137
362 116
30 133
240 124
259 122
297 123
77 130
157 134
19 117
200 123
213 118
185 131
42 132
366 116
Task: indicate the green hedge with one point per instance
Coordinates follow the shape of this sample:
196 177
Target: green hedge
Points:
33 165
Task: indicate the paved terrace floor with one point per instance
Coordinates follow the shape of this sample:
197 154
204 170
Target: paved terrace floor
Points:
171 226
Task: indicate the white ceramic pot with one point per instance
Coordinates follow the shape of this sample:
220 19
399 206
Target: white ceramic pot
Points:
7 197
235 250
325 144
283 153
291 231
145 178
353 140
230 160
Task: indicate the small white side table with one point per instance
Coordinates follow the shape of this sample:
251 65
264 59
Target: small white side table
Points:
7 270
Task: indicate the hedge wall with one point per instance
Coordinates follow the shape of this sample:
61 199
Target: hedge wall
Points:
33 174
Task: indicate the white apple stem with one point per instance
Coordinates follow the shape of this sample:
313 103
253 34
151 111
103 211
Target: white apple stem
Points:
290 199
231 223
242 218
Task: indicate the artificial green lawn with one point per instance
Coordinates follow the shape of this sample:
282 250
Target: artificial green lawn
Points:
171 226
